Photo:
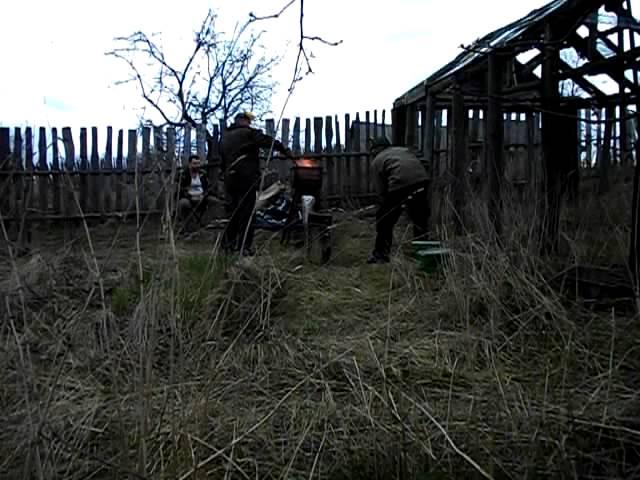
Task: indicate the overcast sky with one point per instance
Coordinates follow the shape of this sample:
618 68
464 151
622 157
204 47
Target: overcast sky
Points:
56 74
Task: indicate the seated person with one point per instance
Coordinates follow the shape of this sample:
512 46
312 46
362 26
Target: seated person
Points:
194 189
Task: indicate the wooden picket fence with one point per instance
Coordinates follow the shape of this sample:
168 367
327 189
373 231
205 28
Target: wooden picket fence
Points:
67 178
48 176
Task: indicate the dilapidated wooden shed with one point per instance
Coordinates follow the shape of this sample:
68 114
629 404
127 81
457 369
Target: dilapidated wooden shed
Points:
554 66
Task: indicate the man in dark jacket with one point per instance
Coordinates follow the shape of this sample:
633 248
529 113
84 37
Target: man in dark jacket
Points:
401 180
239 151
194 194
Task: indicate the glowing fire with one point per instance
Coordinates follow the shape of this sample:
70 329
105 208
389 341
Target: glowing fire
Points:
306 163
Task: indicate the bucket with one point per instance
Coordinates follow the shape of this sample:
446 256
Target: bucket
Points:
431 259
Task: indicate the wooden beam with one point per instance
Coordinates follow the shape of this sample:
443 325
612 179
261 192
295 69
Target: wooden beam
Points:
583 83
582 47
459 155
495 141
624 60
550 137
429 120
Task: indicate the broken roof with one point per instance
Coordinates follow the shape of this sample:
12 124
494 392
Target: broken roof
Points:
501 37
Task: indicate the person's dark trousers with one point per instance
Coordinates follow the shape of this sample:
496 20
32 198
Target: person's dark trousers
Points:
241 201
188 208
416 200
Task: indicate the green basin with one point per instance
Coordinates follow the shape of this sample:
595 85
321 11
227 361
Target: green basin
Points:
431 259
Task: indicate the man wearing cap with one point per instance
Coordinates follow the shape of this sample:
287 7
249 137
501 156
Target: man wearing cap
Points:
239 151
401 180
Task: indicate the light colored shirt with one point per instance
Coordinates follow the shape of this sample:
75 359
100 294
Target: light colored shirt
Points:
195 190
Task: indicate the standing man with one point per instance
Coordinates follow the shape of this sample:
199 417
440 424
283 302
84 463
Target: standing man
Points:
194 189
401 180
239 151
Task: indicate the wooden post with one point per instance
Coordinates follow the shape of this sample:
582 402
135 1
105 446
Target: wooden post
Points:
459 154
588 135
495 144
410 126
550 138
429 120
398 125
532 171
605 152
427 142
570 152
634 244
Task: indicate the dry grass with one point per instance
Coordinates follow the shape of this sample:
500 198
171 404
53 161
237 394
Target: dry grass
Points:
173 362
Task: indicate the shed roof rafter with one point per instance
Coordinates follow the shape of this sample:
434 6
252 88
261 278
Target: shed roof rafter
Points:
526 34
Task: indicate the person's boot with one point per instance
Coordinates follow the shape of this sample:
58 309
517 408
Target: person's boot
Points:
377 257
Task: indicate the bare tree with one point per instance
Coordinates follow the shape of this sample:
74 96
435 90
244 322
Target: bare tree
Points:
222 75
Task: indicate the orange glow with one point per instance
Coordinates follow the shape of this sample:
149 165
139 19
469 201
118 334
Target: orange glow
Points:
306 163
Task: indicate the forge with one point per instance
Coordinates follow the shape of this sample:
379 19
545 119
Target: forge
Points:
305 218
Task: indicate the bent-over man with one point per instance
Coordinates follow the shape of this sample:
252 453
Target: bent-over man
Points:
239 151
401 180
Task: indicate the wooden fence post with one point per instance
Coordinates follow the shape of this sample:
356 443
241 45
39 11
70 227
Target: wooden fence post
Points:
6 166
43 206
69 164
296 136
307 135
132 166
84 167
55 168
96 173
107 199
